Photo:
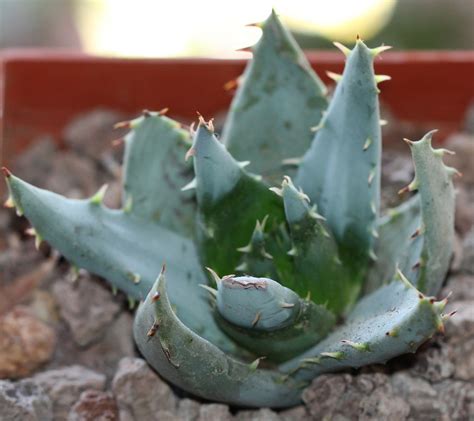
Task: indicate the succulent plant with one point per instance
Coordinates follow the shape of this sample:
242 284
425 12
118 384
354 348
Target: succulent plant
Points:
301 279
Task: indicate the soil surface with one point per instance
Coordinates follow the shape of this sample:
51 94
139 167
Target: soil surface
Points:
66 347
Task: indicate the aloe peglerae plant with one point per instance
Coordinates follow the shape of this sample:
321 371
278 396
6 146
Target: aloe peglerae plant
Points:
302 279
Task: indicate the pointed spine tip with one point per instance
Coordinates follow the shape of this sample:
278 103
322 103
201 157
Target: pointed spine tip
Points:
338 355
411 187
359 346
6 172
98 198
191 152
336 77
190 186
416 233
9 203
231 84
256 319
214 275
452 172
277 191
254 365
255 25
123 125
163 269
346 51
247 49
209 289
117 142
367 143
293 252
378 50
209 125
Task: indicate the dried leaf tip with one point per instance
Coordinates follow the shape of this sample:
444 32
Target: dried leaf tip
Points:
209 125
255 25
123 125
6 172
163 269
231 84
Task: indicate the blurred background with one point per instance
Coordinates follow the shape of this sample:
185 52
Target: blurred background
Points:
155 28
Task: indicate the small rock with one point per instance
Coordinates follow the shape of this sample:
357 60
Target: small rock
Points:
92 132
34 164
324 394
298 413
214 412
263 414
63 172
72 176
464 216
25 401
382 405
188 410
419 394
397 172
434 364
25 343
397 167
139 392
86 306
94 405
346 397
462 356
467 264
458 399
159 416
463 145
117 343
65 385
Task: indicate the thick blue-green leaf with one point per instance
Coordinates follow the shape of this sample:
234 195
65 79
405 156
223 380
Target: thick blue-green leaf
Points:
196 365
397 244
155 171
391 321
122 248
341 170
279 100
433 180
230 201
317 269
269 319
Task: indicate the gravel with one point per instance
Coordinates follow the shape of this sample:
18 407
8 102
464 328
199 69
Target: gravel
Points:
75 353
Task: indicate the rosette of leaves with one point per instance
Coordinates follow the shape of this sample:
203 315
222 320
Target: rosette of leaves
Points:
302 279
